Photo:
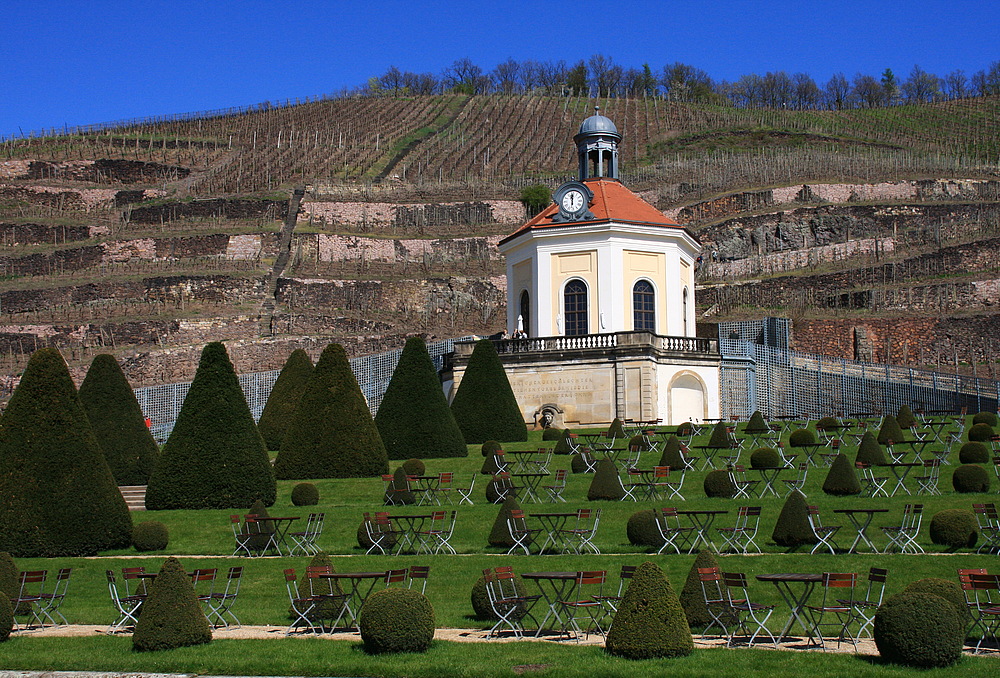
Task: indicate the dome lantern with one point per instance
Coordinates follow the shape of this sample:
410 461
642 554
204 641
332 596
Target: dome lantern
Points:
597 147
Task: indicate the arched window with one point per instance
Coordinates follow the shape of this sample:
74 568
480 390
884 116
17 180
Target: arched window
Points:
643 306
575 307
524 310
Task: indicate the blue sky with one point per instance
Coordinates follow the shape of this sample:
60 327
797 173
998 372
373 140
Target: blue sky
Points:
98 61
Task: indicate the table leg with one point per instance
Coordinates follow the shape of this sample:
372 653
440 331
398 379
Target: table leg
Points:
796 606
555 591
701 525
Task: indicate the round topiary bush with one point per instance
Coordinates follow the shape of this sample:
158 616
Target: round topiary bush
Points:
305 494
718 484
642 530
497 489
650 621
828 424
552 433
685 428
919 629
980 432
988 418
398 492
8 576
491 465
970 478
955 528
640 442
606 484
974 453
414 467
6 618
396 620
491 447
946 589
481 600
366 543
150 535
800 437
765 457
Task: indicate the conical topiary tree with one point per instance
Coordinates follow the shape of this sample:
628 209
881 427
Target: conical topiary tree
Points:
672 456
171 614
118 422
693 596
792 527
756 424
841 479
328 608
500 534
562 445
905 417
284 398
890 431
721 438
484 405
606 483
8 576
333 434
398 492
414 418
869 451
650 621
57 494
214 457
616 429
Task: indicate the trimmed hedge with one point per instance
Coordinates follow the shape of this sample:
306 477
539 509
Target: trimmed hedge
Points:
606 484
490 448
414 415
721 437
150 535
980 433
765 457
8 576
481 600
693 597
6 618
988 418
650 621
396 620
329 609
970 478
974 453
577 464
672 453
955 528
58 495
828 424
414 467
842 479
869 450
484 404
905 417
214 457
171 614
918 629
756 424
398 492
562 444
500 534
800 437
616 429
890 430
685 428
717 483
552 433
305 494
279 410
333 434
490 466
118 422
642 531
947 589
792 527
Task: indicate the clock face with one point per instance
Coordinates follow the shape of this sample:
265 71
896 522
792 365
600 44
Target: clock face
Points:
573 201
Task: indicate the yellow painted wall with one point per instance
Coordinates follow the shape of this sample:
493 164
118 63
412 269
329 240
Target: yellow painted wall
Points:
581 265
651 266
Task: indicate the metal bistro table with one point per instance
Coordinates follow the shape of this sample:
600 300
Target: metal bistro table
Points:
702 521
423 487
412 524
861 518
357 579
531 483
554 586
553 524
768 474
278 538
796 601
900 470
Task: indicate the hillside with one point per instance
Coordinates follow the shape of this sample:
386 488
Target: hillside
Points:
876 230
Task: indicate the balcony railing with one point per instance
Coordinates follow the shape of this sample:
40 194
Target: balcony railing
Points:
689 345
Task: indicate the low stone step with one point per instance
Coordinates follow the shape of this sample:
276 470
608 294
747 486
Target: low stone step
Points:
135 496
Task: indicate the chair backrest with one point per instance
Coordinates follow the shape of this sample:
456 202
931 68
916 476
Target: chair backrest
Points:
395 576
661 473
233 580
132 573
420 572
711 584
561 476
516 520
735 580
840 580
876 582
444 479
626 574
291 584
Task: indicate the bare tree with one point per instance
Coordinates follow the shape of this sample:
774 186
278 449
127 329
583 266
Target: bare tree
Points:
776 90
466 77
807 92
605 76
686 83
956 85
421 83
836 90
866 91
576 79
392 80
921 86
506 77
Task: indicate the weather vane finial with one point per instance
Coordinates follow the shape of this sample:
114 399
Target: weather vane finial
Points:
597 110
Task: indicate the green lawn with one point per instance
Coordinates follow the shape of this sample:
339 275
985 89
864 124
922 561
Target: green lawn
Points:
205 540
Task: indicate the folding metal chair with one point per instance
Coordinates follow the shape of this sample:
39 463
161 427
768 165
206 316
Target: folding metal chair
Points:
558 486
382 534
302 606
222 601
331 601
504 486
668 522
740 537
435 538
745 611
824 533
508 605
465 493
663 486
799 481
871 485
588 459
587 605
636 485
904 535
522 535
418 573
974 599
865 606
612 601
30 599
716 601
443 488
305 541
542 463
580 537
928 483
989 527
126 605
987 588
203 581
830 606
51 602
744 486
241 536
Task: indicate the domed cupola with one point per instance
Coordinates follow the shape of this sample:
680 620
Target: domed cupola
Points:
597 147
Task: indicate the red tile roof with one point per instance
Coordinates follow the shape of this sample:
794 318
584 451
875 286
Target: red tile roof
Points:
612 202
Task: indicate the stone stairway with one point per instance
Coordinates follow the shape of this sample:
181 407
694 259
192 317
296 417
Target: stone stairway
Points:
284 251
135 496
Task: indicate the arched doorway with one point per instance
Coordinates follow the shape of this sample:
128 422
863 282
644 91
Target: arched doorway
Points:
687 399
